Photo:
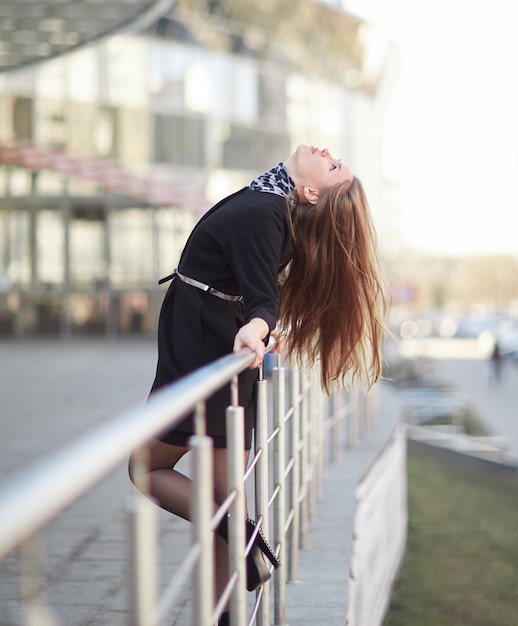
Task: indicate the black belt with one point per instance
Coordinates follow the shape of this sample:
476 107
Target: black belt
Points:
199 285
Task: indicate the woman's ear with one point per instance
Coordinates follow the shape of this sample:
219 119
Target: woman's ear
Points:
311 194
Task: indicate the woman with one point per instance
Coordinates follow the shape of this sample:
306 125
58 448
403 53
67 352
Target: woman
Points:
310 217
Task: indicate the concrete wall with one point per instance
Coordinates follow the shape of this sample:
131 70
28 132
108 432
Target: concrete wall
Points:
379 533
357 538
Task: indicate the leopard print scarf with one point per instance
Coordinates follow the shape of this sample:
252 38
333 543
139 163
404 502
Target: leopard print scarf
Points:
277 181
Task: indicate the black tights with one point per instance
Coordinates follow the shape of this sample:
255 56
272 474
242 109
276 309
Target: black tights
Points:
173 491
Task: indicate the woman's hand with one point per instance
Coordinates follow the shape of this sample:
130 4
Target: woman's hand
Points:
251 336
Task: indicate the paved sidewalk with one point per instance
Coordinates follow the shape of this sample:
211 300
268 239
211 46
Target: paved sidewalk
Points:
460 363
51 393
494 402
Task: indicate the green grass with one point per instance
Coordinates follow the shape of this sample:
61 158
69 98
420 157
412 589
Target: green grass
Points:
461 563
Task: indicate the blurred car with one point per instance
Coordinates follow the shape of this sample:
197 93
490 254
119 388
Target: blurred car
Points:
471 328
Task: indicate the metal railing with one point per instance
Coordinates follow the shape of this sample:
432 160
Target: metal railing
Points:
303 430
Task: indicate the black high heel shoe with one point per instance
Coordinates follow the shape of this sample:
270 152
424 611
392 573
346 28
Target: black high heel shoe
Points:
258 550
258 571
224 619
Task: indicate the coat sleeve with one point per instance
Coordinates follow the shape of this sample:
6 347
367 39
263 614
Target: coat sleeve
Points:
254 251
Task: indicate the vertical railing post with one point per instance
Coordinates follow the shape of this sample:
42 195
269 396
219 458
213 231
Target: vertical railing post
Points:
336 430
144 529
279 410
294 533
304 463
236 472
33 595
371 404
261 482
365 403
321 409
202 511
354 419
313 446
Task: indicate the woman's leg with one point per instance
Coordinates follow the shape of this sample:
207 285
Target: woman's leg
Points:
220 494
173 491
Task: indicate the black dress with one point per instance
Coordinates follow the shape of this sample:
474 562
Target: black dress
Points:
238 247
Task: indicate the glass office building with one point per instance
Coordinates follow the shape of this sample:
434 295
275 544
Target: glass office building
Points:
111 151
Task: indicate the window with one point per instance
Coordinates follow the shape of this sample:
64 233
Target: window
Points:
179 140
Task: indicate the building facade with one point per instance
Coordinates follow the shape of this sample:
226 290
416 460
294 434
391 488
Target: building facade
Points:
110 153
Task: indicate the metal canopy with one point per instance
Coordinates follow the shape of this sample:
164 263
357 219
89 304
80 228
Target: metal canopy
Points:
34 30
308 35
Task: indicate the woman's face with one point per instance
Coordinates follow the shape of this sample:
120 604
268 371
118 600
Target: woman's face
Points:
316 168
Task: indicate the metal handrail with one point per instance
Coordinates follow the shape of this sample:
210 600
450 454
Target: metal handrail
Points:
24 502
25 505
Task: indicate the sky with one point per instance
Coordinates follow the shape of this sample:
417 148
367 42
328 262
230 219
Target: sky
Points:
451 129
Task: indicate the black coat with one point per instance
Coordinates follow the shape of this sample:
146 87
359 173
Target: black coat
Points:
238 247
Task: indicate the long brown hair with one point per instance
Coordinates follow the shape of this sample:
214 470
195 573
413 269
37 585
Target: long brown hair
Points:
333 301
